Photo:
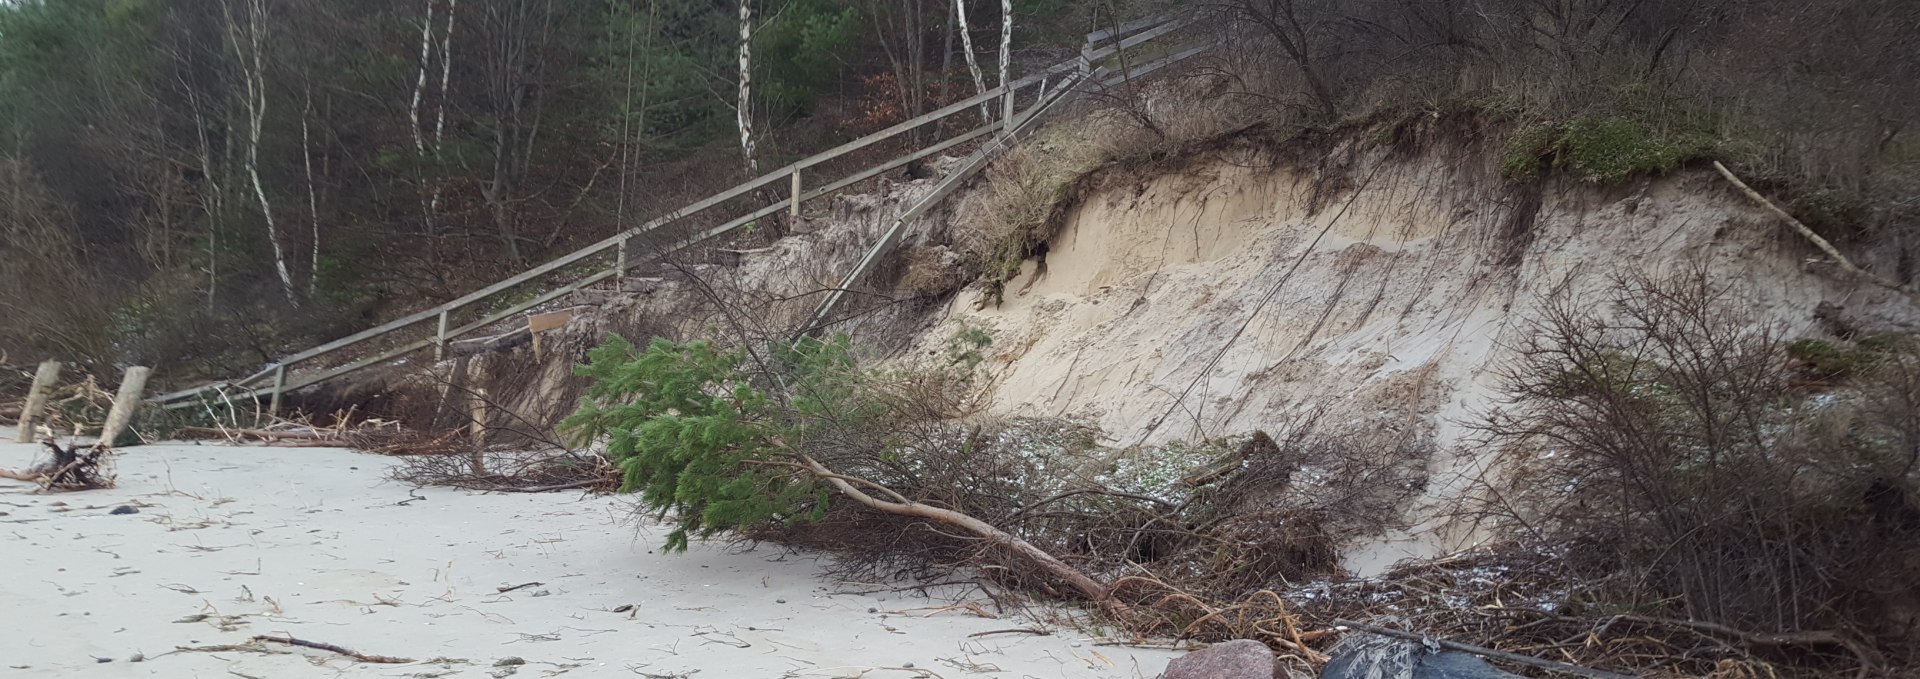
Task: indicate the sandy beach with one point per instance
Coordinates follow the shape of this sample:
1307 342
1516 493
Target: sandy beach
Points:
231 542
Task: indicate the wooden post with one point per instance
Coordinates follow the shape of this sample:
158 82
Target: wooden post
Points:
478 428
132 386
440 338
619 261
43 380
793 206
1006 109
279 382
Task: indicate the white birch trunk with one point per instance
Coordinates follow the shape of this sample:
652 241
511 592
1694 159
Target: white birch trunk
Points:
313 198
440 107
250 48
1006 58
973 62
420 83
744 109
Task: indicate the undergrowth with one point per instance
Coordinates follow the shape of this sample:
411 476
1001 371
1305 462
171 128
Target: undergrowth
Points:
1605 149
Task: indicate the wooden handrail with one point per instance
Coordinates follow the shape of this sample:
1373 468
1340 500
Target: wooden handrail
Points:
1123 37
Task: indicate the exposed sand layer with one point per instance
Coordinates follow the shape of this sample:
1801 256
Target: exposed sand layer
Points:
1382 291
316 544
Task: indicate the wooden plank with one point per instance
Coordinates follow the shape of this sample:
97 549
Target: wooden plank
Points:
359 365
1099 36
205 387
1137 39
794 201
539 323
953 181
279 387
551 295
1155 66
322 376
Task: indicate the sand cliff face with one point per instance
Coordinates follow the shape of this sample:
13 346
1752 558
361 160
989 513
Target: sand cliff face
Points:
1380 288
1252 285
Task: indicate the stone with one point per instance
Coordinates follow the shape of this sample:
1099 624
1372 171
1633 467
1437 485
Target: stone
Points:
124 509
1237 659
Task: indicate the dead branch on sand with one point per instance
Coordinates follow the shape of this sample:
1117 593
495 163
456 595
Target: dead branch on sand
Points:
71 468
356 655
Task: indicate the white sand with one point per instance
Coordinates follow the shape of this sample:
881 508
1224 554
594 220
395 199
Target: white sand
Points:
310 542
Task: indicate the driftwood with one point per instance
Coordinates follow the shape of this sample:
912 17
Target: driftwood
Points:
72 468
265 434
356 655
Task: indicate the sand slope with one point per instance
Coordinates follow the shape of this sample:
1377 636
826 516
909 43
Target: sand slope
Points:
1382 290
311 542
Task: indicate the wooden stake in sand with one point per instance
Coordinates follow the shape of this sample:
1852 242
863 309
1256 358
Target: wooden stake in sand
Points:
478 460
43 380
132 386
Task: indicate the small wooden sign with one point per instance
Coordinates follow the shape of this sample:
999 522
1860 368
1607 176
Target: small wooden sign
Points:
539 323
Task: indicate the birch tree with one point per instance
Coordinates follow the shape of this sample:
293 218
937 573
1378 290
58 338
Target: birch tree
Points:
973 62
417 125
249 46
1006 56
743 115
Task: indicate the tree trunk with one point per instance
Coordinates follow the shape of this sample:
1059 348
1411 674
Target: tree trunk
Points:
744 106
1006 60
249 45
313 198
973 63
1087 586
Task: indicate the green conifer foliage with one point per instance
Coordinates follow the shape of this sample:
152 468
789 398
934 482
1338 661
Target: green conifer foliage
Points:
707 435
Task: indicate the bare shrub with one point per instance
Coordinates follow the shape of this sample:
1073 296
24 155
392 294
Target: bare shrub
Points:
53 305
1658 444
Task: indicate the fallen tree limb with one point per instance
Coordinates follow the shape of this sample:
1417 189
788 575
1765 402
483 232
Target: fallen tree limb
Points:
1017 630
356 655
1087 586
1805 232
256 433
1527 660
301 443
1869 659
587 483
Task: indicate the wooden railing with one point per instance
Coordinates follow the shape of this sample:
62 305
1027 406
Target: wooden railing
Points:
276 380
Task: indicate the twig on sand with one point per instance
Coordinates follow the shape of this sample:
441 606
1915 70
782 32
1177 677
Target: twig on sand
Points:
356 655
859 671
1017 630
974 608
524 585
